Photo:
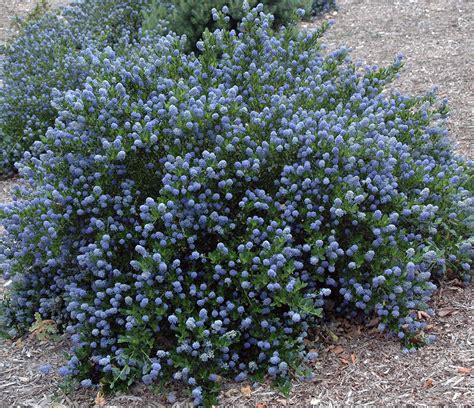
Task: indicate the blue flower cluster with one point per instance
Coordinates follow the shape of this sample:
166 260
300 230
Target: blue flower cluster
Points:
188 216
44 57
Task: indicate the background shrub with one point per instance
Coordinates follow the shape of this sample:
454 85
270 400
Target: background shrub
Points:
189 214
44 57
192 17
322 6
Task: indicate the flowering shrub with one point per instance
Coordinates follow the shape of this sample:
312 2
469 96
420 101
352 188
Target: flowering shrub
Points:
190 213
44 57
193 17
322 6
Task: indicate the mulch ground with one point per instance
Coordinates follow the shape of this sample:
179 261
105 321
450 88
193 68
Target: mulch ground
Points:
357 366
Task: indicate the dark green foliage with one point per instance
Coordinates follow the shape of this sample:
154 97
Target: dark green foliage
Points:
322 6
192 17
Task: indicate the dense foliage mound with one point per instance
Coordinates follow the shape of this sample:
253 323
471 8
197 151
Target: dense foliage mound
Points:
322 6
190 214
44 57
193 17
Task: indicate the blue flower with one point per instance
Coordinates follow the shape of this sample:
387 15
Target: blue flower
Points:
45 369
86 383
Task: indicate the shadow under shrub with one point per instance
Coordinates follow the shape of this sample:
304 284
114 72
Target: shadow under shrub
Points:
189 215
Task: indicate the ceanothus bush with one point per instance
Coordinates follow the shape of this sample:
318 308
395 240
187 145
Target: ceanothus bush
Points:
44 57
189 214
